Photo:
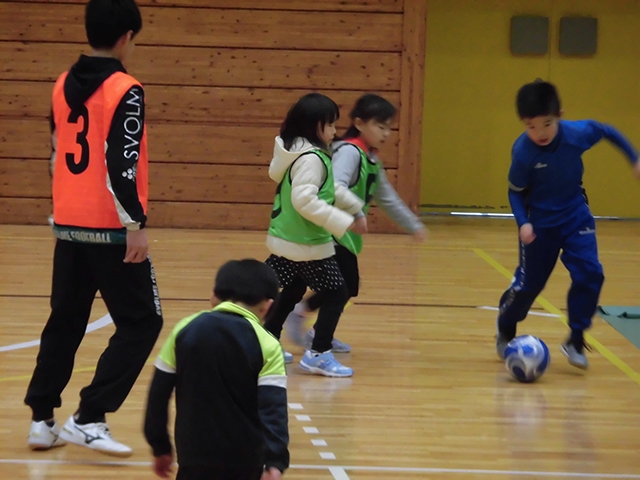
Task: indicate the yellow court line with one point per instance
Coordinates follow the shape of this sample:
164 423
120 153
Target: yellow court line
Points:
548 306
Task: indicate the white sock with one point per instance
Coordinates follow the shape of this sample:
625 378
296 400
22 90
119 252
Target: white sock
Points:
317 354
301 309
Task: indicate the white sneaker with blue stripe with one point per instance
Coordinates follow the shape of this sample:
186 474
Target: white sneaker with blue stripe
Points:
324 364
95 436
288 357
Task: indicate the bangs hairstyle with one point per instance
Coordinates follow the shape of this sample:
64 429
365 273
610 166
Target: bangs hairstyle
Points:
106 21
303 119
248 281
538 99
369 106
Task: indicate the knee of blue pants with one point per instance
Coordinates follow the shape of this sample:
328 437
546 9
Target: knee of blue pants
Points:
591 279
515 304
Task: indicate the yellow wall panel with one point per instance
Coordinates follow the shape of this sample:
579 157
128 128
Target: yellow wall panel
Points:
605 87
471 81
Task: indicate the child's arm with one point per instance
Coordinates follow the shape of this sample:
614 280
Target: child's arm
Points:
346 165
518 182
308 174
518 207
272 408
596 131
519 178
390 202
125 143
157 419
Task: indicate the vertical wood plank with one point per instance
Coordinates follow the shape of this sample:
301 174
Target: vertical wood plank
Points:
411 100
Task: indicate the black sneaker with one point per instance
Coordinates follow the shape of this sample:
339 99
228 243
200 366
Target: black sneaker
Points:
502 340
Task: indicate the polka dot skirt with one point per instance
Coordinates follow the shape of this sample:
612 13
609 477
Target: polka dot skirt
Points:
319 275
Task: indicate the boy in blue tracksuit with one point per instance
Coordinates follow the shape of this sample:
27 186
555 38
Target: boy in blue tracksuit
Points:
551 210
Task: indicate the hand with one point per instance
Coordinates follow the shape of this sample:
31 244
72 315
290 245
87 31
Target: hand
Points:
359 226
526 234
421 235
636 168
162 466
137 246
271 474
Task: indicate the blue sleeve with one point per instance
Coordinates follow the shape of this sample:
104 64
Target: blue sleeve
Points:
518 207
519 172
596 131
519 175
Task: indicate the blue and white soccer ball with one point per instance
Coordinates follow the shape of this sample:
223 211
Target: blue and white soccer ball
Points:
526 358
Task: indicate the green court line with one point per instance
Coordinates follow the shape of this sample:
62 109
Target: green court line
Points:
548 306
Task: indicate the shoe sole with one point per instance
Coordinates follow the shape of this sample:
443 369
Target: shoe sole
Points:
73 440
319 371
581 366
41 447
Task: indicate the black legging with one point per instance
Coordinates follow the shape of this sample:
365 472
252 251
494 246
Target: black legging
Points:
348 263
330 302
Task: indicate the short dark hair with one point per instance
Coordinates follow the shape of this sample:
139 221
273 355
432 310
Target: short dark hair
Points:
538 99
304 117
367 107
248 281
106 21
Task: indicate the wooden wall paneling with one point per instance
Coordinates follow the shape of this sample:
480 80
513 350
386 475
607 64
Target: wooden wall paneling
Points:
218 105
235 216
28 138
374 6
412 100
219 216
24 138
176 182
216 66
25 211
326 30
219 80
24 178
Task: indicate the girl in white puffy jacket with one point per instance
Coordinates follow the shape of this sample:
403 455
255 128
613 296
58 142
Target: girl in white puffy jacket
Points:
308 212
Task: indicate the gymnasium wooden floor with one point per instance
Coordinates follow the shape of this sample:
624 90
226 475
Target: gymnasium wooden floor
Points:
429 398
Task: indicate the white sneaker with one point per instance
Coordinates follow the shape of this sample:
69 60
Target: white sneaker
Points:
95 436
44 437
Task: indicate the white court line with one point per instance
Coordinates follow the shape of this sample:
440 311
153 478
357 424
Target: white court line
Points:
93 326
310 430
318 442
338 473
539 314
327 455
303 418
296 406
630 476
